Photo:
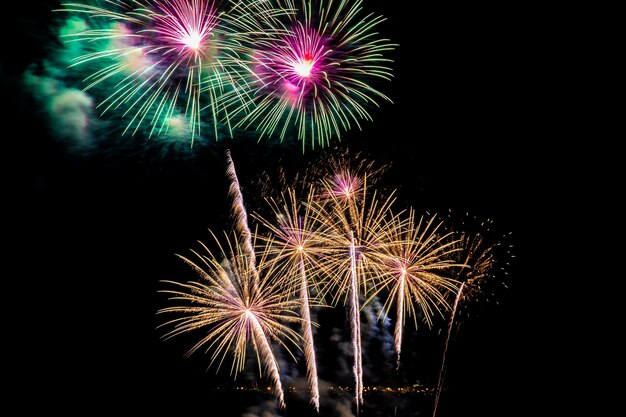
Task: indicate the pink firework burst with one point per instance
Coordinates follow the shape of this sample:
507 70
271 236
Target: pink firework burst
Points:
346 175
185 27
317 77
296 65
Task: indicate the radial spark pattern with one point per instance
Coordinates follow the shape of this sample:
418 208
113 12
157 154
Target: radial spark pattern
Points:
319 76
417 260
233 310
159 62
298 246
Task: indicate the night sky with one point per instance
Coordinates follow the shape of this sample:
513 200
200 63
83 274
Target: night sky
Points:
98 230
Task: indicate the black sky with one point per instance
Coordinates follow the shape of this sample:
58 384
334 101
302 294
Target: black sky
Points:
97 232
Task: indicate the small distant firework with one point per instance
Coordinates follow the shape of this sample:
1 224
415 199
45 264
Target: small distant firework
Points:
483 258
342 176
318 75
479 267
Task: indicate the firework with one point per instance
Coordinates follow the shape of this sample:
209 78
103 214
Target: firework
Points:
355 227
163 61
318 75
241 298
477 264
234 310
344 175
297 253
415 259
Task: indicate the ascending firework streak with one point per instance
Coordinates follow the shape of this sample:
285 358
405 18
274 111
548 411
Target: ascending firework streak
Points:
415 258
233 310
299 247
162 60
355 225
445 349
477 261
239 214
318 74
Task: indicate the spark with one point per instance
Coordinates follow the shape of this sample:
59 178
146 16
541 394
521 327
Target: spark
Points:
478 262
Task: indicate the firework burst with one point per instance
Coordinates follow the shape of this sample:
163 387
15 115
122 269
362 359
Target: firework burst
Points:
343 176
298 249
162 61
355 228
479 266
483 260
234 310
318 75
242 299
416 259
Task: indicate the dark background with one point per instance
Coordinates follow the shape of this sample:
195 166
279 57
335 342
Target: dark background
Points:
95 233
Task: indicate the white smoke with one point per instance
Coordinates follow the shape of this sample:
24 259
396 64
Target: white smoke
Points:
344 408
67 111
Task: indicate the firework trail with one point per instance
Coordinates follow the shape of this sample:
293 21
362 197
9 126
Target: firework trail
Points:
477 262
445 350
159 60
298 248
239 214
415 258
355 319
317 74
